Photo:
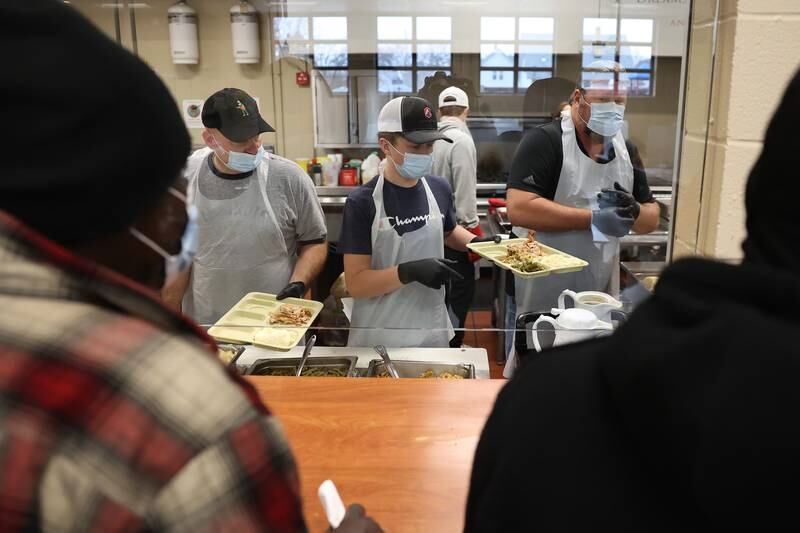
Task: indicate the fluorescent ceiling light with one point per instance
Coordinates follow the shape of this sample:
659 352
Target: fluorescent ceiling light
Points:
461 3
134 5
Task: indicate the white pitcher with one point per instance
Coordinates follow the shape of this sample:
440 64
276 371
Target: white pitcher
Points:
572 325
599 303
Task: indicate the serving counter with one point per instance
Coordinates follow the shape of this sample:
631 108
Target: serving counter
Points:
475 356
402 448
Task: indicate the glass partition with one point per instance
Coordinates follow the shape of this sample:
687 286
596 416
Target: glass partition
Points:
321 71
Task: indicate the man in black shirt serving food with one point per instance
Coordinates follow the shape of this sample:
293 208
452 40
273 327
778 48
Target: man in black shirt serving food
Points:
581 187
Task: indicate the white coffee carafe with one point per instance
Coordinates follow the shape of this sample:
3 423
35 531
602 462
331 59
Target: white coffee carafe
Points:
572 325
600 304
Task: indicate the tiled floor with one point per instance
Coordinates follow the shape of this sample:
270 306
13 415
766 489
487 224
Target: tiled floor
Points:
477 320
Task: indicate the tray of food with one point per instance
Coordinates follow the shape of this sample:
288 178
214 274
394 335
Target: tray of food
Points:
229 353
262 320
422 369
341 367
527 258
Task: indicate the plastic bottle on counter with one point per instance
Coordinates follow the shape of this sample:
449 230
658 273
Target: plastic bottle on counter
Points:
330 169
356 164
316 174
348 176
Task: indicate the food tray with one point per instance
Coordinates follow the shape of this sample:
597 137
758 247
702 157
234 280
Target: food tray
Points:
288 366
237 352
413 369
248 322
493 252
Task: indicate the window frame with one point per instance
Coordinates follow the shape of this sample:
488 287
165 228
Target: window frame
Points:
414 68
310 43
516 68
618 43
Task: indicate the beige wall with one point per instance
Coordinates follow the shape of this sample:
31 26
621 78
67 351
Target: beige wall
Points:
284 105
755 57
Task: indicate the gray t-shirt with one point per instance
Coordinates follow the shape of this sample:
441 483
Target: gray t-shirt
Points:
290 193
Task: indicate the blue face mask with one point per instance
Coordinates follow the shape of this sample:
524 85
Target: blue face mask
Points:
605 118
176 264
415 166
241 161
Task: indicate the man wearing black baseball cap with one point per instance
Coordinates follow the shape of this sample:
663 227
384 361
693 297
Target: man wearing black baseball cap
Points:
260 226
393 236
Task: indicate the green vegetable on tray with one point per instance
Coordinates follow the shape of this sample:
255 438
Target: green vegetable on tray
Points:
310 371
525 264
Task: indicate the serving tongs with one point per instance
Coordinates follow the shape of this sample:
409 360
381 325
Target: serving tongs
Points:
387 363
306 353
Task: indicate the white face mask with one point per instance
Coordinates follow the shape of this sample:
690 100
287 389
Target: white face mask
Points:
241 161
415 166
179 263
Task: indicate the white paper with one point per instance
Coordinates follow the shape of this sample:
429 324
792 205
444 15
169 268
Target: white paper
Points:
347 304
331 502
191 113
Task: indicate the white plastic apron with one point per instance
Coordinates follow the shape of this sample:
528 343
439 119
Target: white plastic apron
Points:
419 310
241 249
580 180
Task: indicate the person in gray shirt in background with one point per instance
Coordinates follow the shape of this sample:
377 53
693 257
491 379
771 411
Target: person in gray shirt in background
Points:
260 225
457 163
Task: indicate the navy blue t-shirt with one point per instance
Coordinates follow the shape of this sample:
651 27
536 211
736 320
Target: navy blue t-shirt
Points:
406 209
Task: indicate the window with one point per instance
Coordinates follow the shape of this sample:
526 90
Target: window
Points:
632 48
323 39
515 52
410 49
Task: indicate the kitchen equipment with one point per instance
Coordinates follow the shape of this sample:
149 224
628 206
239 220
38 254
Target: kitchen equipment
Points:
183 34
599 303
572 325
244 30
247 322
314 367
229 353
381 349
306 353
555 261
415 369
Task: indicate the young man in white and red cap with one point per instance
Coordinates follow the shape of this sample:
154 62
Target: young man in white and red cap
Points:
393 236
457 162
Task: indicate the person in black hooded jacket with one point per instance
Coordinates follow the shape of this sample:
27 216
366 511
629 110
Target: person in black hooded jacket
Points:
688 417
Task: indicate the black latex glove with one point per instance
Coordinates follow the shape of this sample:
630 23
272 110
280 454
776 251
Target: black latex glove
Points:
430 272
489 238
356 521
614 221
618 197
295 289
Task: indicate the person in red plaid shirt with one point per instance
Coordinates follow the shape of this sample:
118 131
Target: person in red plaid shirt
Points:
115 413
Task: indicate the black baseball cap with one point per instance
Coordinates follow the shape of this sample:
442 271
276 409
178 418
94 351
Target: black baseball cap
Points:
235 114
413 118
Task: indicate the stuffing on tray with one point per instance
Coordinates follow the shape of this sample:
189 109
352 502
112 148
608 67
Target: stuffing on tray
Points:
291 315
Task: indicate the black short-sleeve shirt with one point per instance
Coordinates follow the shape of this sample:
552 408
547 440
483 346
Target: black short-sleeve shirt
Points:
406 209
537 164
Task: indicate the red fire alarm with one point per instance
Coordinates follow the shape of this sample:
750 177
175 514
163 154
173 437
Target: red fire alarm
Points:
302 79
